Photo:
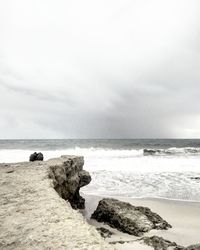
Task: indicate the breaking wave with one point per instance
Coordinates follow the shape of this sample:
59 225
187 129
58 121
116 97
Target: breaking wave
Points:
168 173
173 151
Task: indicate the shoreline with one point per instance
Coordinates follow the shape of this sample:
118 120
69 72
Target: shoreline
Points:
142 198
33 214
183 216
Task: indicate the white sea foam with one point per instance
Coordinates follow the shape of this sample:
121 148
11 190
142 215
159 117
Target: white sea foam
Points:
130 173
115 160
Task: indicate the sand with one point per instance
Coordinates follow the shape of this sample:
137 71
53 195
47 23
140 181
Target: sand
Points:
183 216
33 215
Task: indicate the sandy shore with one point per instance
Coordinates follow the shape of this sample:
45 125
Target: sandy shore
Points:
33 215
183 216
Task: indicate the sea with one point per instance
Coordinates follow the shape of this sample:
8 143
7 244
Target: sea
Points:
135 168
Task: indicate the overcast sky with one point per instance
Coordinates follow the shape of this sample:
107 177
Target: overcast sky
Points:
99 69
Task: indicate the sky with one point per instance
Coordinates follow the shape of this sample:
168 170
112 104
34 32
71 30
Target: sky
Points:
99 69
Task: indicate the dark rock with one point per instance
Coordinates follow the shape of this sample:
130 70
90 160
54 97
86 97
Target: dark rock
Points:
36 157
195 178
119 242
39 157
157 152
149 151
68 178
85 178
104 232
193 247
127 218
10 171
158 243
33 157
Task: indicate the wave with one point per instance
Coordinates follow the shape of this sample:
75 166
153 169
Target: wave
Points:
172 151
131 173
17 155
168 185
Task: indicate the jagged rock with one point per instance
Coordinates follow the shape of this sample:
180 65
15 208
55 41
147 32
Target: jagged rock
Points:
36 157
158 243
193 247
68 178
85 178
34 217
104 232
127 218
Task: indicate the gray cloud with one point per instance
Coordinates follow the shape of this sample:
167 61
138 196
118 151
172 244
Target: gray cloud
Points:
108 69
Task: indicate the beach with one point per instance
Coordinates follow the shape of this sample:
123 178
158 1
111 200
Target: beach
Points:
164 178
183 216
34 216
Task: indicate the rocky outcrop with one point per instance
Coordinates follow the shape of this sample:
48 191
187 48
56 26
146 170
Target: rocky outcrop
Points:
127 218
68 177
158 243
33 215
192 247
36 157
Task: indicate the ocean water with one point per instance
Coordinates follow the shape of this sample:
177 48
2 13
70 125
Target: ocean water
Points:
166 169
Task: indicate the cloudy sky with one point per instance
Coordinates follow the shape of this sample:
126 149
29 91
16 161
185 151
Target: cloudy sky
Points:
99 69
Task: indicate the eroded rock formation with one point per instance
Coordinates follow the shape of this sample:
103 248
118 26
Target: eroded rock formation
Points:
159 243
32 214
127 218
68 177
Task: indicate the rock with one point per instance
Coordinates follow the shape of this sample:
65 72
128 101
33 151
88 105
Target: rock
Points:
150 151
195 178
127 218
193 247
157 152
40 157
85 178
10 171
104 232
68 178
33 157
34 217
121 242
36 157
158 243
